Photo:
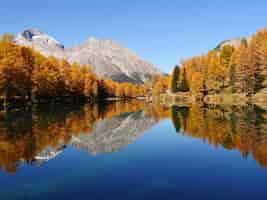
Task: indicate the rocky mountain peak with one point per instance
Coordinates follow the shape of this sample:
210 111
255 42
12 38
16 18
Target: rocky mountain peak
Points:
29 34
37 36
107 58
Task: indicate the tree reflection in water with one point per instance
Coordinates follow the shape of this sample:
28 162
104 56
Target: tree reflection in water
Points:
25 134
28 133
241 128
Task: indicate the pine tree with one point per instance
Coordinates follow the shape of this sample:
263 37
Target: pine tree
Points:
173 86
183 86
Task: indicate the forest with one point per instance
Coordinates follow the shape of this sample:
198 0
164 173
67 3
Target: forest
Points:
27 75
227 69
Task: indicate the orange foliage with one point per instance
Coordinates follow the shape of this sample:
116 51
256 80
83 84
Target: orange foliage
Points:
27 74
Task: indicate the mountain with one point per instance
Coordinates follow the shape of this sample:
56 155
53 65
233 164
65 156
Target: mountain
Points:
107 58
42 42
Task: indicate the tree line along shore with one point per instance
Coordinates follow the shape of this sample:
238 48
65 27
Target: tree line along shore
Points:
228 74
28 76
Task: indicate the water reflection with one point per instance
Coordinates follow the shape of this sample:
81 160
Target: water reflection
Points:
241 128
38 135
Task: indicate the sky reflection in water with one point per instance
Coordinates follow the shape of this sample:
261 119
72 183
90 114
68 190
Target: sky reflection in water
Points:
134 151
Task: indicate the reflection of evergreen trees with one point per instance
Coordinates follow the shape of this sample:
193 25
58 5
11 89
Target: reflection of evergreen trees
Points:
179 116
175 118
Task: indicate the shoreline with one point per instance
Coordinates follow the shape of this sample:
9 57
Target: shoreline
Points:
235 99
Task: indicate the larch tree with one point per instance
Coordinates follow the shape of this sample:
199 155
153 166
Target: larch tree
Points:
232 80
225 58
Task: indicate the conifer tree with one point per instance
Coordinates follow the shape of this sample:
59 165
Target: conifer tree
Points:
183 86
174 80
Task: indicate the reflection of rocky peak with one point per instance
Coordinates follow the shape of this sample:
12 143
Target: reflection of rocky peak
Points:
47 154
109 135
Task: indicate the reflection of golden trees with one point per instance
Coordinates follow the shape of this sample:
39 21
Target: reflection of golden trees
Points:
241 128
157 111
24 135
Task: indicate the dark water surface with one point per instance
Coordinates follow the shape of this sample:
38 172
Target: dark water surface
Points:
132 150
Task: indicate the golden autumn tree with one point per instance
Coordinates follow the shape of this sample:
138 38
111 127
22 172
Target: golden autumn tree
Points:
48 81
8 56
258 57
225 59
214 73
25 64
263 62
16 66
183 85
159 84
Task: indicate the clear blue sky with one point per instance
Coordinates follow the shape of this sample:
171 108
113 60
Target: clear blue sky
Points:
160 31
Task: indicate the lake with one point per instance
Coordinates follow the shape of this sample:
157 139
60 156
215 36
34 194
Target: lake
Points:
133 150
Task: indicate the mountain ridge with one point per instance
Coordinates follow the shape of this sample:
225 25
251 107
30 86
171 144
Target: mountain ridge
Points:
107 58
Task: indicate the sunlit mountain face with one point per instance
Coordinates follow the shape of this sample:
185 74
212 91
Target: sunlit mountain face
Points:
107 58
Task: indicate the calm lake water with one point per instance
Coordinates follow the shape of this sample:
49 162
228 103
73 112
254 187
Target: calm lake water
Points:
133 150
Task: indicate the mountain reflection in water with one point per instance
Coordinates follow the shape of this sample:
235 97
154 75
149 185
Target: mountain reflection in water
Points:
36 136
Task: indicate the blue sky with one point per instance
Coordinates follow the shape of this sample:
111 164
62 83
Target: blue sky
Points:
163 32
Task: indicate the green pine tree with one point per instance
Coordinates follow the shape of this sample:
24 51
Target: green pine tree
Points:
184 86
173 86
